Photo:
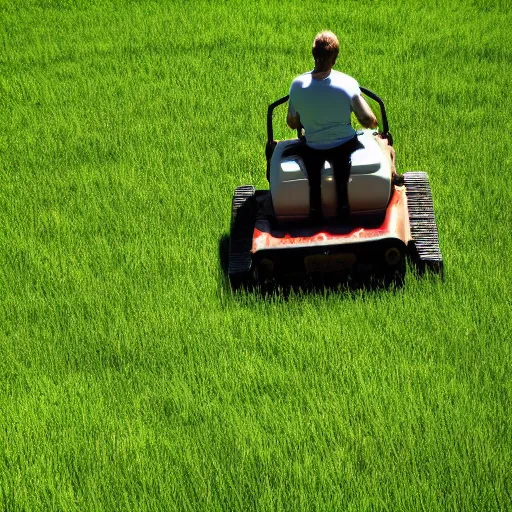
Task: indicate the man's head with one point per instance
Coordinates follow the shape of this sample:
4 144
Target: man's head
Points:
325 50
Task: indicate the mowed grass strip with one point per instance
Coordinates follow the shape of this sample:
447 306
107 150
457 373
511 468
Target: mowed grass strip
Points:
131 378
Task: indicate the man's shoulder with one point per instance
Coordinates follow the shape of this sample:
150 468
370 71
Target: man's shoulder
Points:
346 82
301 79
304 76
343 77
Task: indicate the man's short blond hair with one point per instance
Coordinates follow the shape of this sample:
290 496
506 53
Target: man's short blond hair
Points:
325 46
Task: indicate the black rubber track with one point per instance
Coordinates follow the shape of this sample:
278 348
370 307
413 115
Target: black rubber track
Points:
425 245
243 216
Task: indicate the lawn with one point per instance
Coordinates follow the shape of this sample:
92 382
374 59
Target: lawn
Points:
131 378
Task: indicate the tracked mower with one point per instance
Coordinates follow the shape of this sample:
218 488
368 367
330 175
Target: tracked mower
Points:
390 219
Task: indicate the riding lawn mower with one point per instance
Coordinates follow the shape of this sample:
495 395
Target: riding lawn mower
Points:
391 216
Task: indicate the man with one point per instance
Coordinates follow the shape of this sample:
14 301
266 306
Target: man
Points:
321 101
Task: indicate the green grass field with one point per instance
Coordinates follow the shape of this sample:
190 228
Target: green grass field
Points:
131 378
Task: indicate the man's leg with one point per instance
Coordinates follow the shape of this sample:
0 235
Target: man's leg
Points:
340 158
314 163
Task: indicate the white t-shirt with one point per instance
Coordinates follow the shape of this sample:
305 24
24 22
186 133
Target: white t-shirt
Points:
324 107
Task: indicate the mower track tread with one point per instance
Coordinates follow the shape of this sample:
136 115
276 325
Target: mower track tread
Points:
425 238
243 215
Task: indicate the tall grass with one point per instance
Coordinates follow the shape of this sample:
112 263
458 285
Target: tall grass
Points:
130 376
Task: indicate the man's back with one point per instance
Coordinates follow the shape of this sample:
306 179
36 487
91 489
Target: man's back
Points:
324 107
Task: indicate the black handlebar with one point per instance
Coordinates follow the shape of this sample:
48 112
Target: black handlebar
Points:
271 107
373 96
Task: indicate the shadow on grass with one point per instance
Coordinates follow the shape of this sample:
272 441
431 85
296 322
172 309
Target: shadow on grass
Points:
314 283
224 254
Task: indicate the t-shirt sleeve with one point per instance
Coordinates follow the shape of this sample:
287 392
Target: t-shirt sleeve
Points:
291 108
353 88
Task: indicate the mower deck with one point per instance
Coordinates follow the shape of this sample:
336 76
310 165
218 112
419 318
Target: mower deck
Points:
333 246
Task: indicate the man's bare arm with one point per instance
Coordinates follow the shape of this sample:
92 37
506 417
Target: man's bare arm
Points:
363 112
293 120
